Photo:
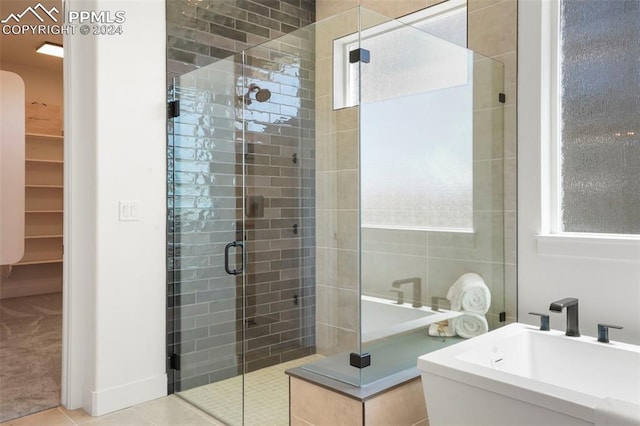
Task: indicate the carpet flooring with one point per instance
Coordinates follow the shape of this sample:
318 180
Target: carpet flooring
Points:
30 354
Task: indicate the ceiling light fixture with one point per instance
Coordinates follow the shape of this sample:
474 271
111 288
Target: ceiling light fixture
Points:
52 49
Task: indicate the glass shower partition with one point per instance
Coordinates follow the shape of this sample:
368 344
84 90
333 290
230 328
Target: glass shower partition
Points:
416 198
431 198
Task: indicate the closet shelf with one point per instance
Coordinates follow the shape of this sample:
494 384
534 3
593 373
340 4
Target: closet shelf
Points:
36 262
35 237
44 186
44 136
38 160
43 211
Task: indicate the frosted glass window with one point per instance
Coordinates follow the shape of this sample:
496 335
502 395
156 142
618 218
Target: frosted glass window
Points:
600 116
416 133
417 161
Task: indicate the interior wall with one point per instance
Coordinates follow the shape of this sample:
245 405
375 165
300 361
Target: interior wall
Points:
492 33
41 85
115 292
604 274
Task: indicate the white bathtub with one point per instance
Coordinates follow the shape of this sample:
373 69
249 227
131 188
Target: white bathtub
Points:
382 317
518 375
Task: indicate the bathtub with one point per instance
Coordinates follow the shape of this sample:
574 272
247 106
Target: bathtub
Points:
382 318
519 375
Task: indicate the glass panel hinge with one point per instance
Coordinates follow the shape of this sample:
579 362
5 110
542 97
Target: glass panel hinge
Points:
359 55
174 362
359 360
173 109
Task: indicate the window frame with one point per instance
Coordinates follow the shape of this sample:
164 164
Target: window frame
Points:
555 151
552 240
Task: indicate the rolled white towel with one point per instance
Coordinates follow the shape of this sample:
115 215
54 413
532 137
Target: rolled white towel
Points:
470 293
470 324
441 329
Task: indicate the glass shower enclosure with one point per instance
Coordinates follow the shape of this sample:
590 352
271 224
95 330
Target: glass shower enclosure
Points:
315 181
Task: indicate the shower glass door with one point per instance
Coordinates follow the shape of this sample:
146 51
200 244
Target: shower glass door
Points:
242 239
206 240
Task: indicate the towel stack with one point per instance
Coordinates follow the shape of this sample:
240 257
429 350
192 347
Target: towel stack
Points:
470 295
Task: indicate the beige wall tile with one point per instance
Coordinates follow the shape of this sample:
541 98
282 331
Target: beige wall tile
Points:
327 8
402 406
492 30
510 237
394 8
488 82
326 268
326 190
380 270
510 131
348 229
331 340
510 173
347 272
488 185
297 421
348 190
509 61
488 133
326 152
320 406
487 241
340 307
326 227
324 87
347 150
474 5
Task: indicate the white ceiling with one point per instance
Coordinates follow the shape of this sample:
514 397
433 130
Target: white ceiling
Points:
21 48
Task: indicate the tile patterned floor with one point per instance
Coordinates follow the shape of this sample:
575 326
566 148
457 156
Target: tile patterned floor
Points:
167 411
266 396
266 404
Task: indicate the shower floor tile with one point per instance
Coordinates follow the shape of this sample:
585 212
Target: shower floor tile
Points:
266 396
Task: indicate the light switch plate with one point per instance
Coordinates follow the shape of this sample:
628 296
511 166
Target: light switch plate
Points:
128 211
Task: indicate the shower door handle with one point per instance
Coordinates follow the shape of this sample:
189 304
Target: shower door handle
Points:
226 258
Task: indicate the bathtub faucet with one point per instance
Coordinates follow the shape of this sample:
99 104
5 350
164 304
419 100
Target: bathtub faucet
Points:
417 289
571 303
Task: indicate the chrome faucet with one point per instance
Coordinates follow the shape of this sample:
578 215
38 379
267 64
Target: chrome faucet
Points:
417 289
571 303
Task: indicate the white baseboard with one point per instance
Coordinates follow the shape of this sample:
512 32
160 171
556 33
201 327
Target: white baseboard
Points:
98 403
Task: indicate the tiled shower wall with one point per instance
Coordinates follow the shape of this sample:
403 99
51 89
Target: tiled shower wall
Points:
200 32
280 292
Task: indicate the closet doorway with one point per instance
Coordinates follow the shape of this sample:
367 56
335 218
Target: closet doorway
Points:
31 288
